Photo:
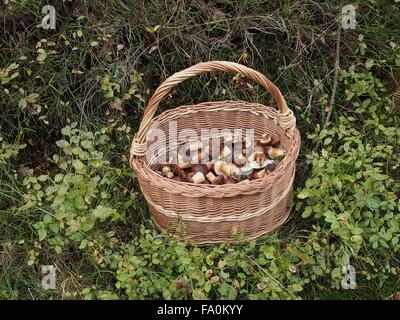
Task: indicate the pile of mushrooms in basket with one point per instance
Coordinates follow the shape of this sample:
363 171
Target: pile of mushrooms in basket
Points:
229 159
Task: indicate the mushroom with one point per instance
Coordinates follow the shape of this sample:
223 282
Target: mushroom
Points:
187 179
231 180
260 164
259 149
177 170
275 153
183 164
165 170
275 141
265 139
270 167
229 169
259 155
217 167
245 172
210 164
198 156
198 178
226 151
215 179
218 180
200 168
156 167
170 175
239 159
210 176
258 175
266 150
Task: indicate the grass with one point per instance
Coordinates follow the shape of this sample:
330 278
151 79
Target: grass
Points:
291 42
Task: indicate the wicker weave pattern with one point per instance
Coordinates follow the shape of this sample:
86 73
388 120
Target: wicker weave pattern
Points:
211 212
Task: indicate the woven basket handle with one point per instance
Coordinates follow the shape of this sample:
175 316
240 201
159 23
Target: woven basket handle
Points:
286 118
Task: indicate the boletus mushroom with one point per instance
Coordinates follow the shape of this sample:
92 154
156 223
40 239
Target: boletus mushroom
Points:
266 139
258 174
198 178
270 167
187 179
275 142
275 153
200 168
177 170
218 180
229 169
231 180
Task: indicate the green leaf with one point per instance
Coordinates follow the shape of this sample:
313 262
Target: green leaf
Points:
374 238
62 143
273 268
43 177
369 63
78 164
58 177
102 212
66 131
83 244
13 66
42 234
303 194
41 57
22 103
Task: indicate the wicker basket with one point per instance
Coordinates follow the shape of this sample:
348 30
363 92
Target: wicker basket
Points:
210 213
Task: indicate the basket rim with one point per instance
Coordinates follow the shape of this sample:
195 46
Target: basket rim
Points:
139 163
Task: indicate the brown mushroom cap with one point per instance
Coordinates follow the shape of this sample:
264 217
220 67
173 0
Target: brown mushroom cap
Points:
187 179
178 171
267 149
156 167
200 168
219 180
265 139
270 167
231 180
275 141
